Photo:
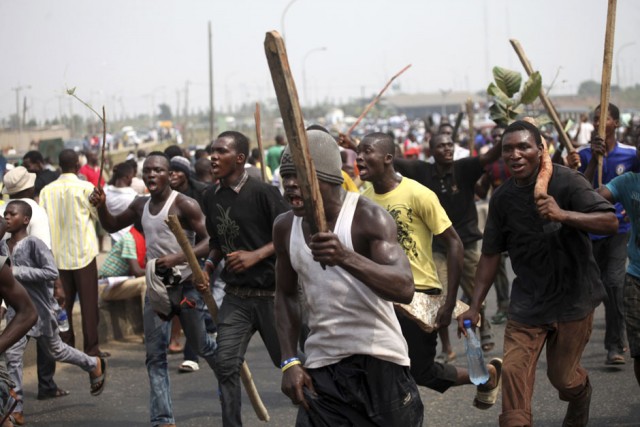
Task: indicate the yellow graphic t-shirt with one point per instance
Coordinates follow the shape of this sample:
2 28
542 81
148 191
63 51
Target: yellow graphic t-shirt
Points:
419 216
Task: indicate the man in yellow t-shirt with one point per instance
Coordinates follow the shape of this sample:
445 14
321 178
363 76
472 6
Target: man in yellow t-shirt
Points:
419 216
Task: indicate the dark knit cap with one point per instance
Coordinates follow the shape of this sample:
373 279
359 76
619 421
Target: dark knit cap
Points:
181 164
325 154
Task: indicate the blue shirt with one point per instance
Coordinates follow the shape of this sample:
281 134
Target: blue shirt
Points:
626 190
620 160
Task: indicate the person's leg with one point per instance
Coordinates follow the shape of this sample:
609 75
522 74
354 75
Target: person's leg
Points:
266 326
522 347
14 356
64 353
632 319
70 292
46 365
192 319
611 255
565 346
422 352
235 328
86 279
156 338
174 340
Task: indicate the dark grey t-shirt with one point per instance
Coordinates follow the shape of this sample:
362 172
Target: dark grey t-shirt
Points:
557 277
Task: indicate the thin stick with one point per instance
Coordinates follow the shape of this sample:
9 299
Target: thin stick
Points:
104 144
198 275
263 167
456 126
564 138
472 131
375 100
293 122
605 89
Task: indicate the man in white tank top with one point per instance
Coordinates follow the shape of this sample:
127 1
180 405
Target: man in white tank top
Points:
162 245
357 366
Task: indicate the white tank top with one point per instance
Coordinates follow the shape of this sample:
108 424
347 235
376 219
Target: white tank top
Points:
345 316
159 238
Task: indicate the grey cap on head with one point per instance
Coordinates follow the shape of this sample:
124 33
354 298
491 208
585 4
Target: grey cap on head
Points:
325 154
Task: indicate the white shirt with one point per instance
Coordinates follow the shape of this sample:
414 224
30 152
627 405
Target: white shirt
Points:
118 199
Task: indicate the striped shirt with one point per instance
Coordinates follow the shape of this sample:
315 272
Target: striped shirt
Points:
71 220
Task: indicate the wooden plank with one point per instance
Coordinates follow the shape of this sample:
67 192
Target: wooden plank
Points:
605 88
263 167
472 131
294 128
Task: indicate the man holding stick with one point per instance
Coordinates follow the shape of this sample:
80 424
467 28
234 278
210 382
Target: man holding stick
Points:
357 367
557 285
610 251
240 213
164 250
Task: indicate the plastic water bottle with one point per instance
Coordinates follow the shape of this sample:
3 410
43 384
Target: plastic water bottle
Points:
63 320
478 373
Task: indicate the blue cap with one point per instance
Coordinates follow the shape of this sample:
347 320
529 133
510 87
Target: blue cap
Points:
467 323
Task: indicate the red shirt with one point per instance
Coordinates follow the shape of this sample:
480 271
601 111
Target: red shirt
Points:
91 172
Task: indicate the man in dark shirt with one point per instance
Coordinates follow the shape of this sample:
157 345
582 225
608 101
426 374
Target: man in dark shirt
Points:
557 283
240 213
34 163
454 184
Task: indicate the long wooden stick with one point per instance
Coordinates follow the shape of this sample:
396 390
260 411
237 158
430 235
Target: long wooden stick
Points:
456 126
198 277
472 131
564 138
375 100
104 144
293 121
263 167
605 89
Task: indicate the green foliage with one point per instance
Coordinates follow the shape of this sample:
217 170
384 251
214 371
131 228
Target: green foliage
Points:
509 99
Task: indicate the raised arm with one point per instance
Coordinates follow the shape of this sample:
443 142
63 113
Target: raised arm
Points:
492 155
114 223
380 263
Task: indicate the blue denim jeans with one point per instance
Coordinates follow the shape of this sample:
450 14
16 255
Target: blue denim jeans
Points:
239 318
156 337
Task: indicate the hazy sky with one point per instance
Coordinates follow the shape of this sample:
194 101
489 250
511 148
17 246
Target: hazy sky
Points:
132 54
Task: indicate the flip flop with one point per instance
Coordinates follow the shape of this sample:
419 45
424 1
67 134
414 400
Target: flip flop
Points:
485 399
8 407
97 383
444 357
55 394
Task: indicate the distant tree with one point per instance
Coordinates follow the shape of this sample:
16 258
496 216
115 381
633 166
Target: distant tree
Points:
589 88
32 123
165 112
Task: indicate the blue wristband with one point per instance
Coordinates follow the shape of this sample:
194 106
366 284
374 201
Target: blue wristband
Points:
286 362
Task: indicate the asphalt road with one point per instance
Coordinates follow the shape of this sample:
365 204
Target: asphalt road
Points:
616 396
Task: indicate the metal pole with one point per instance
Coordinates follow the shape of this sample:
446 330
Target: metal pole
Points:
284 12
304 72
211 110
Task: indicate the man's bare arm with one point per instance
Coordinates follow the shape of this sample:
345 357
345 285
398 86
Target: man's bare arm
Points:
17 297
385 269
113 223
455 260
192 218
485 275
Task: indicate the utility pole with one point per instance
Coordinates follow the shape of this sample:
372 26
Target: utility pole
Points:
17 90
211 110
186 110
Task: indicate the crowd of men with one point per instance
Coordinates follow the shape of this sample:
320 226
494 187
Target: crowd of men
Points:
400 222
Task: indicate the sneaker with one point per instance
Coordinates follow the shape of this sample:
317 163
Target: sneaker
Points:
578 410
189 366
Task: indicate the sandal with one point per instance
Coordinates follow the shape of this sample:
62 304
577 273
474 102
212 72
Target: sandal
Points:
499 318
485 399
487 343
7 409
54 394
445 357
97 383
